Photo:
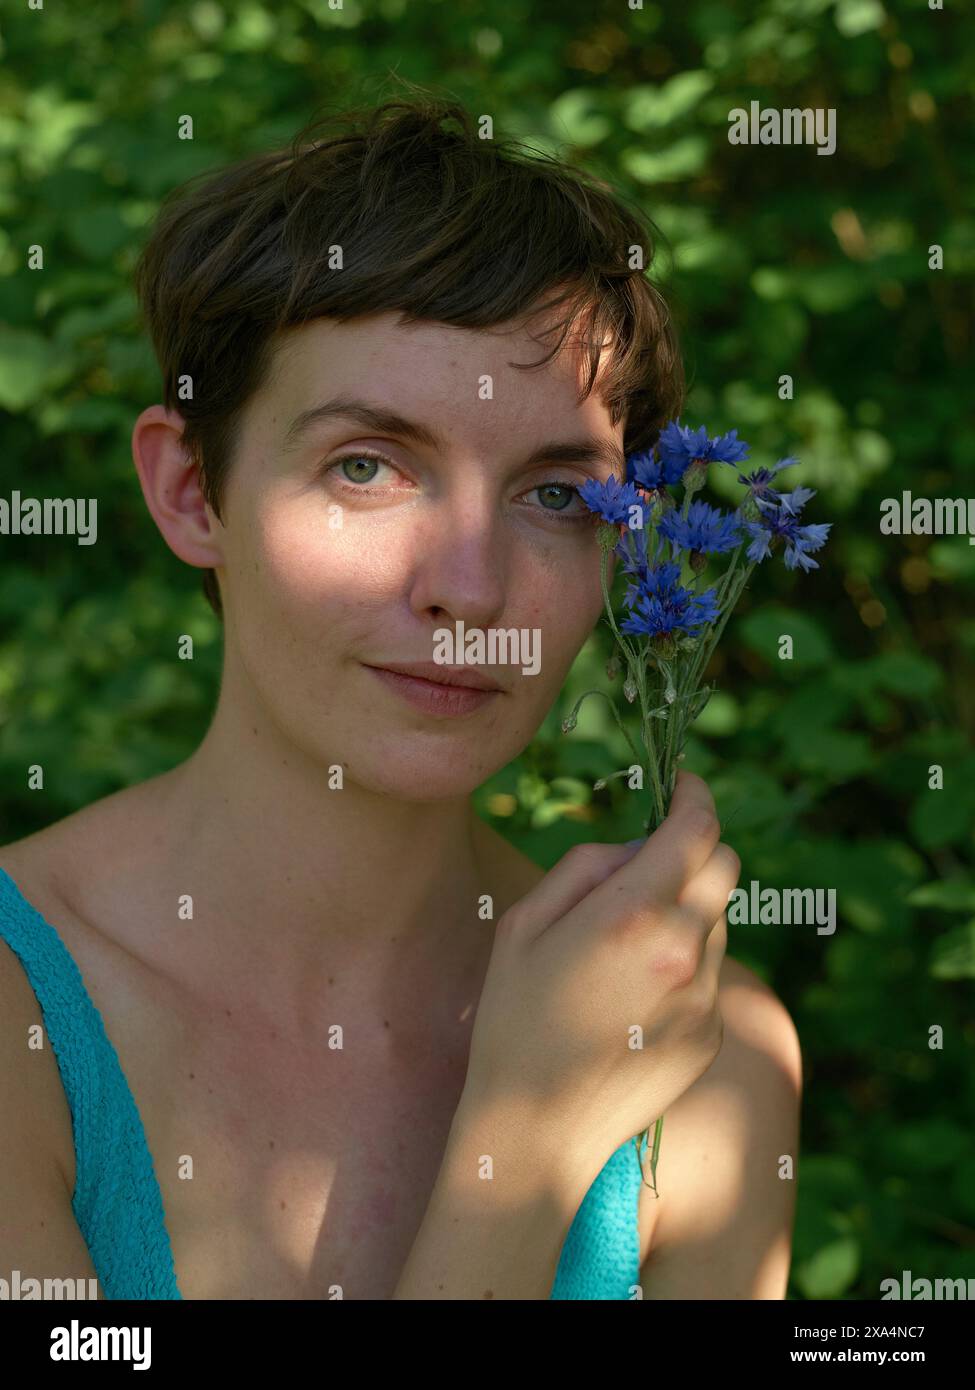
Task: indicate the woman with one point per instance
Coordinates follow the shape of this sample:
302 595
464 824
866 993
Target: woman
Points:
355 1044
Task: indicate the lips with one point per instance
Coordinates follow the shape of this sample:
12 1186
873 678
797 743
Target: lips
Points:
463 677
435 692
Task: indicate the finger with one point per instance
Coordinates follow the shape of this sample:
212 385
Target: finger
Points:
581 869
714 955
707 894
672 855
721 873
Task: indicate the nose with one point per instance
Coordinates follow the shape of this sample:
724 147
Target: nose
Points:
461 564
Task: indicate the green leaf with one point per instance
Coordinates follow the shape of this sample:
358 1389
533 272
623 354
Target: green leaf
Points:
30 367
719 716
951 558
940 818
762 630
855 17
837 753
749 798
831 1271
532 790
926 1146
953 957
97 231
649 107
949 894
572 787
575 117
906 673
86 321
830 289
550 811
682 159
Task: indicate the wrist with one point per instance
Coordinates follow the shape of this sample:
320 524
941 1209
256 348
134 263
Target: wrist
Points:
529 1160
507 1192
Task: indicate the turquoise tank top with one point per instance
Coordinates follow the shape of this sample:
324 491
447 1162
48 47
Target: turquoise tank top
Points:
117 1202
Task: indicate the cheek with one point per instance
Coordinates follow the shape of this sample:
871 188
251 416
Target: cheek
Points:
564 607
310 571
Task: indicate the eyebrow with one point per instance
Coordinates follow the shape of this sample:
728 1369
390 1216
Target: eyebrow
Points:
385 421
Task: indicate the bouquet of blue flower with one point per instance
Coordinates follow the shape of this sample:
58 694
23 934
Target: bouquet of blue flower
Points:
673 623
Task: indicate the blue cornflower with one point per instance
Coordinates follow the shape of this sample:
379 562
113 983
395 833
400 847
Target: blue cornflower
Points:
654 473
704 531
633 547
681 446
781 520
652 581
612 499
794 500
759 482
663 606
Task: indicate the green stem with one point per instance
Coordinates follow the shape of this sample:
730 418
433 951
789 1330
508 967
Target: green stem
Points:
649 742
604 581
654 1154
727 606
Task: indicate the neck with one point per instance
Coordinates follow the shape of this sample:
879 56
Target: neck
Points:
299 887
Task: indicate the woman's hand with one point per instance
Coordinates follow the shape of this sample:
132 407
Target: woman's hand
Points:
616 947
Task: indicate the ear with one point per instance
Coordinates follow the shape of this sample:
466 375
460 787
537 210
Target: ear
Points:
171 486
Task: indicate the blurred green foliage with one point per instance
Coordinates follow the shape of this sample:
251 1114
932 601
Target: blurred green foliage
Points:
781 261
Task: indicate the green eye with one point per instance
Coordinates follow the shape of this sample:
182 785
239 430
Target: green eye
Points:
358 461
563 495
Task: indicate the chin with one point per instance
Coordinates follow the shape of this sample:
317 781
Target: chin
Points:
439 777
439 764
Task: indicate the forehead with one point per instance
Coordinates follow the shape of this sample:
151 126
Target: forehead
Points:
434 370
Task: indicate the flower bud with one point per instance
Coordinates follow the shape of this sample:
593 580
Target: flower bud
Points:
630 689
695 475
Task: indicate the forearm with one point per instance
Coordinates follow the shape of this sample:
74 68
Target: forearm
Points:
497 1217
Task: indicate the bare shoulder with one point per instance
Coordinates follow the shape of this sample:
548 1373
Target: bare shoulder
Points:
50 859
722 1226
754 1014
54 867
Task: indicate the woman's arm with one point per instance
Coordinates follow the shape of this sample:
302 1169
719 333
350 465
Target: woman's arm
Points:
724 1224
499 1236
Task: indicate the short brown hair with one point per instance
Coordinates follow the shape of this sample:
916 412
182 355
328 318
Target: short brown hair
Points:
432 220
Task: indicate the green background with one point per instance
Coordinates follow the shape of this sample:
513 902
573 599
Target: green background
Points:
780 261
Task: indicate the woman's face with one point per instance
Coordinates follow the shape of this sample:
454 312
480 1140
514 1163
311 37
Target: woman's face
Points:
349 543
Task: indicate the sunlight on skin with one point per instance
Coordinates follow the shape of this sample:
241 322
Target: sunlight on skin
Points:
724 1230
